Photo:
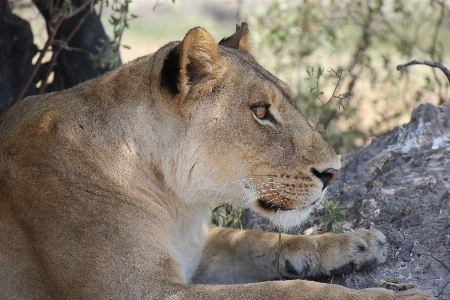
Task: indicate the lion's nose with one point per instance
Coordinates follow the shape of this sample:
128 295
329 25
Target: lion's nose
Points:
326 176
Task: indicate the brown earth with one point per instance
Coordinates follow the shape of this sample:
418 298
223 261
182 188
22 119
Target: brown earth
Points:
400 185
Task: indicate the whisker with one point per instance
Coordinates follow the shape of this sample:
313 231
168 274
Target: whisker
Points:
251 199
271 188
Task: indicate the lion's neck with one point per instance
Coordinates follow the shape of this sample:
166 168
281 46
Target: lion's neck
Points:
191 231
182 230
185 232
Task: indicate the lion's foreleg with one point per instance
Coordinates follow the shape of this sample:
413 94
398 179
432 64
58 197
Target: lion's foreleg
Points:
237 256
243 256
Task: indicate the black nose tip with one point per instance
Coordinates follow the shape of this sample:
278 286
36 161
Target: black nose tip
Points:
326 176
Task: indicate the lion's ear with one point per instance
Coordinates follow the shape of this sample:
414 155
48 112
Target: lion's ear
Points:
239 40
193 65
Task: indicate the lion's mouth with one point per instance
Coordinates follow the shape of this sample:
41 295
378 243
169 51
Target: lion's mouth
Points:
271 206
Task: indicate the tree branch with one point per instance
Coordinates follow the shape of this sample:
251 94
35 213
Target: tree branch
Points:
53 26
427 63
29 79
57 49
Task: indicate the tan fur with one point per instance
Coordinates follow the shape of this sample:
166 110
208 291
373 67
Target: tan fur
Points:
104 188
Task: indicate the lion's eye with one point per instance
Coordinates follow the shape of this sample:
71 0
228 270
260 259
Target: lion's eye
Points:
260 111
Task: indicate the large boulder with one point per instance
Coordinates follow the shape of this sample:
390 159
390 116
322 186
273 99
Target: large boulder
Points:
400 184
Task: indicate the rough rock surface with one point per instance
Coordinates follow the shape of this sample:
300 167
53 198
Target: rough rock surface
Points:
400 185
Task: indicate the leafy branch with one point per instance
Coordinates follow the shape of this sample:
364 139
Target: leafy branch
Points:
55 13
58 46
225 215
108 54
57 16
334 216
341 98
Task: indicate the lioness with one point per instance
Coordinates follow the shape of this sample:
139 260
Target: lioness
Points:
104 188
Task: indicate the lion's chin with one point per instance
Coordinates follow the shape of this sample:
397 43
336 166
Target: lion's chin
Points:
286 218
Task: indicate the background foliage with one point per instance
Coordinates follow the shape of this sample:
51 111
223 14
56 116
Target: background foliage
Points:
370 37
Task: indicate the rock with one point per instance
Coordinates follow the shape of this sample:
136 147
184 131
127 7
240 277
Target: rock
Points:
399 184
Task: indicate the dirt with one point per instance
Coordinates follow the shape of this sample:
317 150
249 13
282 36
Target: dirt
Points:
400 185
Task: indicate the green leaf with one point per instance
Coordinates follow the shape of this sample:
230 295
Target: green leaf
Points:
341 208
321 93
221 211
319 72
214 220
243 214
311 90
340 217
325 219
339 231
229 223
352 72
330 226
346 94
309 73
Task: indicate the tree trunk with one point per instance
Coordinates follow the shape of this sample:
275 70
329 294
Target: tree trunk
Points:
16 52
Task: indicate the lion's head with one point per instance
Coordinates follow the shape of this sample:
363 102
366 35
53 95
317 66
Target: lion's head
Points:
240 136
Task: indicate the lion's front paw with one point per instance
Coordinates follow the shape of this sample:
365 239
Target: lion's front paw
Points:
360 250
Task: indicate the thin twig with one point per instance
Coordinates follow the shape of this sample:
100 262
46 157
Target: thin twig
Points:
331 214
37 65
65 47
440 293
82 6
333 96
369 185
427 63
398 286
100 10
443 289
440 262
279 253
59 49
53 27
123 11
435 37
